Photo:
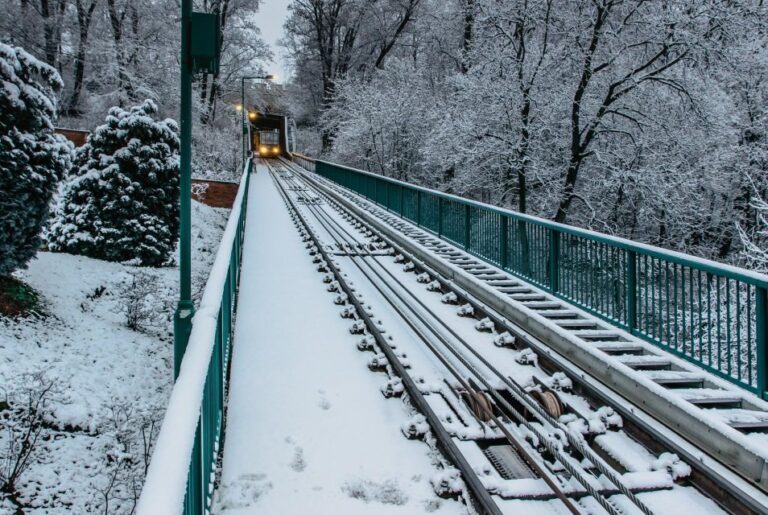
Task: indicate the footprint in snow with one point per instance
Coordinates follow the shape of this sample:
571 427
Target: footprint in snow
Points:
243 491
323 402
298 463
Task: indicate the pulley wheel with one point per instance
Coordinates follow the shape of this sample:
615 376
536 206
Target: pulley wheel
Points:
481 405
551 403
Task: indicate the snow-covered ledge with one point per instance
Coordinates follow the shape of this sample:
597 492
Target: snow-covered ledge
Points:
166 482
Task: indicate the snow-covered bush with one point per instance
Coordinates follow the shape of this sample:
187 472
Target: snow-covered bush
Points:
145 304
121 204
32 158
126 443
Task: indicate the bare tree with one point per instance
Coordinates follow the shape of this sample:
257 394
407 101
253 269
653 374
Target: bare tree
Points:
21 423
635 57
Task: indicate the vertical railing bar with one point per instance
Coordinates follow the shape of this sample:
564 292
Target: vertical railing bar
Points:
676 307
738 332
554 259
761 336
440 216
729 343
701 315
682 300
691 336
751 377
709 316
719 332
631 293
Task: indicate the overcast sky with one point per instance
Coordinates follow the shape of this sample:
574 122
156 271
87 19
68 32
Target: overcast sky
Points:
271 16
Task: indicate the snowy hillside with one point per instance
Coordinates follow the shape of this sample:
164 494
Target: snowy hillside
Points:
100 386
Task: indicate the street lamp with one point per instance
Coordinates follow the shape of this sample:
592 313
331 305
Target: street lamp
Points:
242 104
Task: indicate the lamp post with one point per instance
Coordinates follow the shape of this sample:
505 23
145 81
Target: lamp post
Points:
200 49
185 309
242 104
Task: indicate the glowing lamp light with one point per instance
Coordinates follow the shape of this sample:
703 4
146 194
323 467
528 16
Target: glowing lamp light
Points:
251 115
263 149
238 107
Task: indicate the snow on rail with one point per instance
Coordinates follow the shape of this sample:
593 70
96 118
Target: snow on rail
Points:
166 482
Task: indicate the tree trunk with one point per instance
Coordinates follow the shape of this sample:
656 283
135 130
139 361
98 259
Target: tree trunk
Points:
49 32
124 88
84 17
469 25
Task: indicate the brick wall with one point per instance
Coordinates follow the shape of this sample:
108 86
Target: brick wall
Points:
75 136
217 193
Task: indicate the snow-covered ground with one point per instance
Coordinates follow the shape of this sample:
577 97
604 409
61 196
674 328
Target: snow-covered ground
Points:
109 383
308 430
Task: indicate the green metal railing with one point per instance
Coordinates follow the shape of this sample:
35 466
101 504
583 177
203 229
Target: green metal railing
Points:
202 467
198 397
711 314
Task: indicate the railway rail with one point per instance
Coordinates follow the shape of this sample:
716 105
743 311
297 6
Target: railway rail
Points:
526 430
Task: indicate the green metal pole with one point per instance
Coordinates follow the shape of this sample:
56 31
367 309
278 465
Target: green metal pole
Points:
182 322
242 116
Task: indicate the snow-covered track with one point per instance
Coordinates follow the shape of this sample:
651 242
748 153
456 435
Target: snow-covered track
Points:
505 300
522 398
480 495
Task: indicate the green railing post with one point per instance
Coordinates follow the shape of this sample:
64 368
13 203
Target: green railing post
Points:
554 260
418 208
761 337
503 251
193 503
440 216
467 225
631 293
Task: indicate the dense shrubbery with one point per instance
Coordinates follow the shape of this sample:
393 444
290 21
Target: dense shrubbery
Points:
121 204
32 158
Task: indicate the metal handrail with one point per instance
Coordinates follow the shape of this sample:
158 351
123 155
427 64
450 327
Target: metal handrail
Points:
182 469
709 313
681 258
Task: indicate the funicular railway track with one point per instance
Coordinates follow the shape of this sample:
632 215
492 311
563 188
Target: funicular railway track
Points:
524 432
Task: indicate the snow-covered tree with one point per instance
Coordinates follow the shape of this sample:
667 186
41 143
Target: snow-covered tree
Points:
32 158
121 204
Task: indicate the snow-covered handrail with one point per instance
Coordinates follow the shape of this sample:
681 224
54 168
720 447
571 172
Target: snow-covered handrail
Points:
709 313
181 470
